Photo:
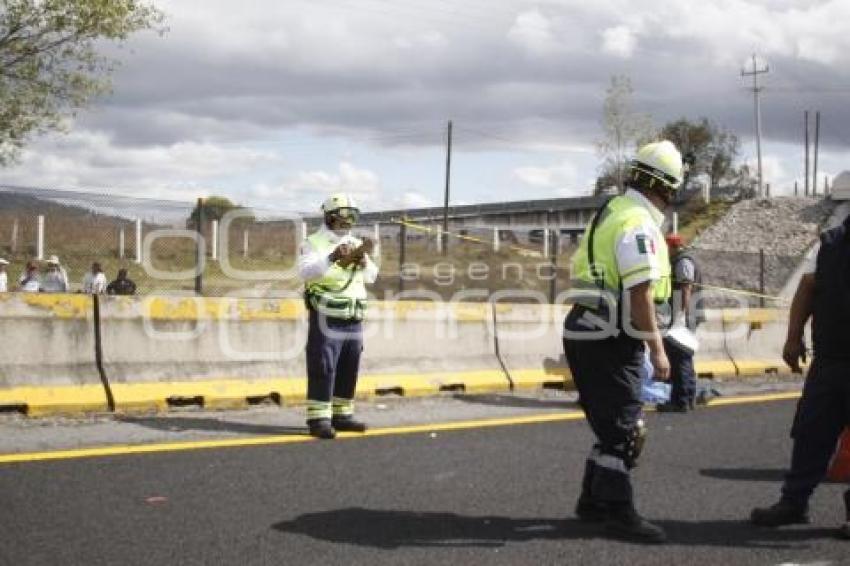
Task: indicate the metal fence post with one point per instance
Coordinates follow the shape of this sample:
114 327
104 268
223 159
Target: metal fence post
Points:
214 239
121 242
15 236
138 240
553 281
402 244
199 251
39 245
761 277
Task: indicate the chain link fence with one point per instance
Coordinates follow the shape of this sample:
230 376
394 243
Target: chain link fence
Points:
733 276
180 247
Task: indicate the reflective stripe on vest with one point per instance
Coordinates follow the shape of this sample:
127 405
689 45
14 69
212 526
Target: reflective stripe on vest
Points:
620 215
340 292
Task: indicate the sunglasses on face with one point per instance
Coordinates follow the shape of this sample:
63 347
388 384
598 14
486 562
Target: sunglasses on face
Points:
347 214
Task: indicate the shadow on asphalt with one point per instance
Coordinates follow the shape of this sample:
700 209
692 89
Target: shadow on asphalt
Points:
388 529
513 401
745 474
752 474
181 424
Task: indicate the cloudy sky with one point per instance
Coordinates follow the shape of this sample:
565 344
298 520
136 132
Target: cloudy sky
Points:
278 102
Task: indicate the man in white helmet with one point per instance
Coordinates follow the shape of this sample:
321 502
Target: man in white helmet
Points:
621 270
336 268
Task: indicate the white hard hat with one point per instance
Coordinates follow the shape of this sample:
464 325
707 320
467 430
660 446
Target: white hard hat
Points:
54 259
337 201
660 160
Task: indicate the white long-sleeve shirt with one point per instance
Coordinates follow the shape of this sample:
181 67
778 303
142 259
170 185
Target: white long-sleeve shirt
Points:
313 264
94 283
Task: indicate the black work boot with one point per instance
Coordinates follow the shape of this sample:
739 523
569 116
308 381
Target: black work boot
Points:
626 523
670 407
321 428
782 513
348 424
591 511
587 509
844 531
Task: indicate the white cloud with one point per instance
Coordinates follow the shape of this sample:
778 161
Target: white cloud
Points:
305 190
89 160
619 41
533 31
562 175
412 199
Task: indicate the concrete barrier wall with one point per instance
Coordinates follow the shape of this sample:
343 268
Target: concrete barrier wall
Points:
713 358
531 345
755 338
425 347
163 351
210 351
47 352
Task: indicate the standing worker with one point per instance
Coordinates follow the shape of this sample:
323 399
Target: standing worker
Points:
621 269
683 379
824 408
335 267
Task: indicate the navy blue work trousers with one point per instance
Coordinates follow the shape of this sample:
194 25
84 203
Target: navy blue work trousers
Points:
683 378
333 357
822 414
607 375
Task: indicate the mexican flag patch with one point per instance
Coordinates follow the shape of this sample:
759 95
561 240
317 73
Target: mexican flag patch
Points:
642 245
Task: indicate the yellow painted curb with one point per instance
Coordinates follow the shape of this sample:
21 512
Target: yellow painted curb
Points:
229 393
217 393
537 378
760 367
714 367
55 400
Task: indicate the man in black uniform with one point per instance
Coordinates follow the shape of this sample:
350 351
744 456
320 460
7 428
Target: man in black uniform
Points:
123 285
683 378
824 409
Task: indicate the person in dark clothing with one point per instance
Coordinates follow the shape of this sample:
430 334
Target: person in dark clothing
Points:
123 285
824 408
620 272
683 379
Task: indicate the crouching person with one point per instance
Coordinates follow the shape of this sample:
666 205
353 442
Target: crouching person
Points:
335 267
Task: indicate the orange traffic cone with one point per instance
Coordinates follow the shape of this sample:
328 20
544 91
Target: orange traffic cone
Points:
839 468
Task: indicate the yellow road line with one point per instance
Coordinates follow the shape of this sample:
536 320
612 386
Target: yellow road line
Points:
744 399
121 450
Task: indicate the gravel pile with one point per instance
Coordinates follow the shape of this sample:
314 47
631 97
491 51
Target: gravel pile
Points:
784 227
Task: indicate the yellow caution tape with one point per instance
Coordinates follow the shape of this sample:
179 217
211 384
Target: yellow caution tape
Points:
465 237
740 292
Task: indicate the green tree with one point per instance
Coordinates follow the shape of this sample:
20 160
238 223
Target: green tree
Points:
215 208
50 66
622 126
714 149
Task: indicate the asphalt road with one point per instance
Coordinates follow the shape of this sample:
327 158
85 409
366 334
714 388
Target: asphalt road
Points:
493 495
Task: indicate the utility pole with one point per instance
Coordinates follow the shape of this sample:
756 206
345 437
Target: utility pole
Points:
806 136
756 90
445 234
815 164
